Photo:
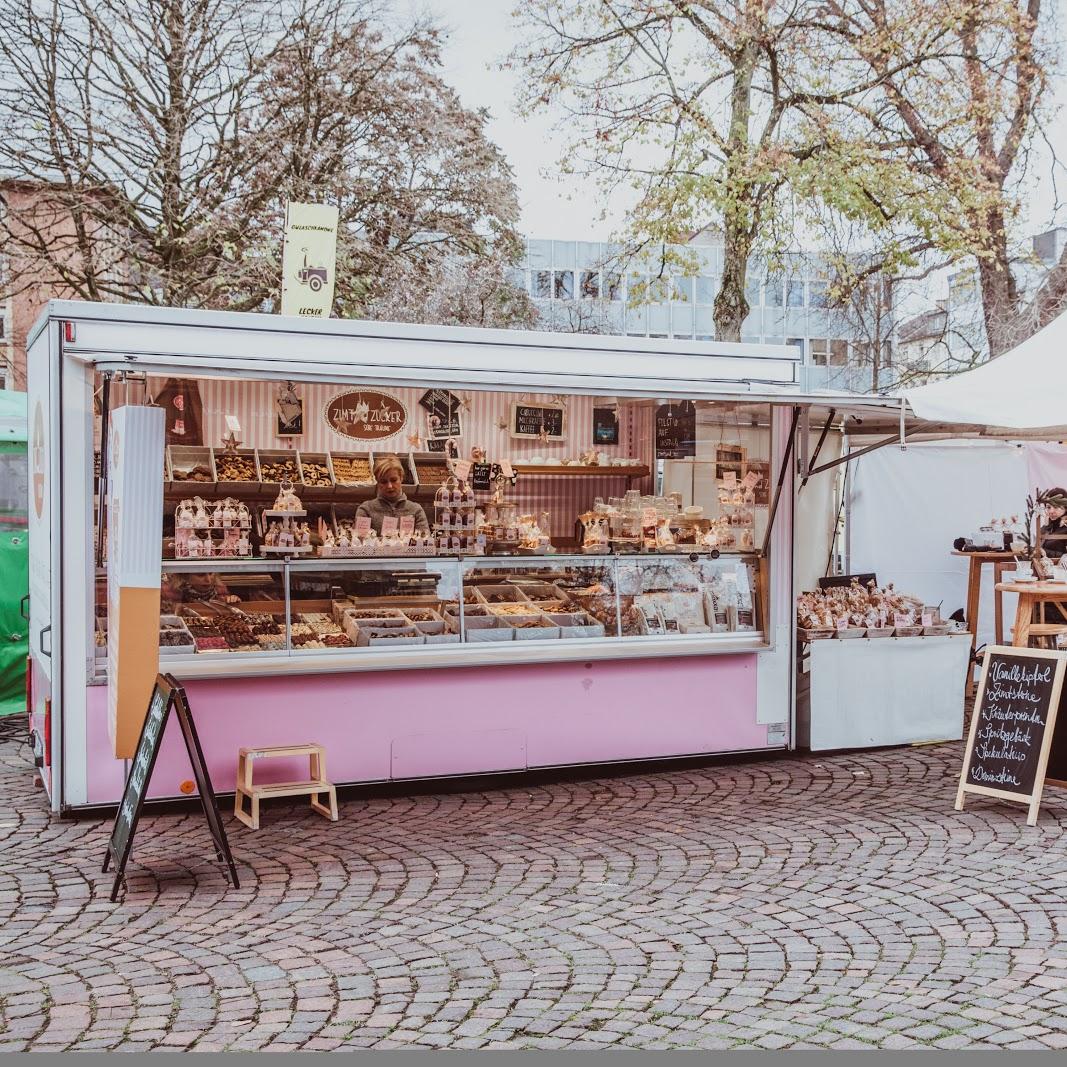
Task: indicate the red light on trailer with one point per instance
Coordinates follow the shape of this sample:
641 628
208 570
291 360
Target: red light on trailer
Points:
68 332
48 732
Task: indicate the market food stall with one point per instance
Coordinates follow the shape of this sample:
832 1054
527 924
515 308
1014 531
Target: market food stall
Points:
198 503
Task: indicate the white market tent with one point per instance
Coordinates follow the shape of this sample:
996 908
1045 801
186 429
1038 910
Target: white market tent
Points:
1024 389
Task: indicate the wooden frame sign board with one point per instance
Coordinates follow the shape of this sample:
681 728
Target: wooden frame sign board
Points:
166 694
1013 726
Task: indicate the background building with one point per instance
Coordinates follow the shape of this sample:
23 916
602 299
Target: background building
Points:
579 286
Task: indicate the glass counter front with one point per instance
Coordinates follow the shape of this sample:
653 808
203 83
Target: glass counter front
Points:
305 608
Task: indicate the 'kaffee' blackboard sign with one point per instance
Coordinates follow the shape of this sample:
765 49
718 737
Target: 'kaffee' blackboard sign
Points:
1013 726
546 421
166 694
676 430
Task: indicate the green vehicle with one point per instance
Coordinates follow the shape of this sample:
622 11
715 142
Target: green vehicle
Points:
14 553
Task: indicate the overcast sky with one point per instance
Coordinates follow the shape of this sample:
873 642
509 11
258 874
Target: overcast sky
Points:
482 34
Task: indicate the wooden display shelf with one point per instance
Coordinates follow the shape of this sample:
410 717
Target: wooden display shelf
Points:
638 471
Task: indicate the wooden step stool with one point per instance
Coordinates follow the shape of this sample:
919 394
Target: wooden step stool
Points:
315 786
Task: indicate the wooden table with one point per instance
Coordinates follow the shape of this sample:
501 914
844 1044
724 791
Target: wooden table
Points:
1001 562
1031 594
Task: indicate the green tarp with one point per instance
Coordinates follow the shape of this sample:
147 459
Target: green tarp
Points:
14 552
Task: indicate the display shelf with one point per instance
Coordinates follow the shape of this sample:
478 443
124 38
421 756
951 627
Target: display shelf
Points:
558 470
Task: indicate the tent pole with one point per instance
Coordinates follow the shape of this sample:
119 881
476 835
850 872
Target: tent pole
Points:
818 446
786 460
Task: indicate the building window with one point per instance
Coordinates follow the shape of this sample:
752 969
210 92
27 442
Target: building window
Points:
839 353
818 296
542 284
590 285
819 350
795 293
613 285
704 337
683 289
563 285
773 290
705 290
752 292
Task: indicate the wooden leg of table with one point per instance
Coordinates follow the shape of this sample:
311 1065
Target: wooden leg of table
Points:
998 600
974 590
1023 615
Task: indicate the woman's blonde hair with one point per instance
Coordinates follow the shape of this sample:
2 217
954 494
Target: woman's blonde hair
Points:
384 464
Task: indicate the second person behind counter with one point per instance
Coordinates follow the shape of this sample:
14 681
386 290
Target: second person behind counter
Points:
391 500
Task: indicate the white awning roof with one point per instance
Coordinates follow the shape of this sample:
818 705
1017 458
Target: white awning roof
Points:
1023 389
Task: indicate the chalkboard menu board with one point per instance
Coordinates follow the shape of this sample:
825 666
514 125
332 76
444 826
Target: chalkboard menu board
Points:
1013 726
482 476
533 420
443 409
166 694
676 430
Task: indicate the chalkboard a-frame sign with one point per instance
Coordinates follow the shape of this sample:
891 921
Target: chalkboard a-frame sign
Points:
1013 727
166 694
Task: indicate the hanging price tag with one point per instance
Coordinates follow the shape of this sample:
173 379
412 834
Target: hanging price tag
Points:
750 480
900 619
928 618
407 525
462 469
649 516
506 468
390 525
729 479
842 624
363 525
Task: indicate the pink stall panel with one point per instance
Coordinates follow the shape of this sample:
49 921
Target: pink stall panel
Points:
415 724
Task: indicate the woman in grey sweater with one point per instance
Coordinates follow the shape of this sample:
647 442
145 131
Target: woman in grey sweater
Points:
391 501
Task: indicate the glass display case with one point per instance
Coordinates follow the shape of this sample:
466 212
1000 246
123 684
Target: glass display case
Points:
306 607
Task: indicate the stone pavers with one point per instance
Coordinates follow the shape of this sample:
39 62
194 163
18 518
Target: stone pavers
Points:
812 902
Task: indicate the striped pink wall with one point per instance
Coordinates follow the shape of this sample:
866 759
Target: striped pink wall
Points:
252 402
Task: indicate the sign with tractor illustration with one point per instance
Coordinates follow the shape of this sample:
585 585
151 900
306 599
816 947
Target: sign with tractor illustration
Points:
309 258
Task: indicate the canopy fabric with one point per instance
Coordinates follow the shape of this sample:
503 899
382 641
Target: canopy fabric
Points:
1025 388
12 415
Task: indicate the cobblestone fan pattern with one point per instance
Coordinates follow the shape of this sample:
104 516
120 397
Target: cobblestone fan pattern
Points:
804 902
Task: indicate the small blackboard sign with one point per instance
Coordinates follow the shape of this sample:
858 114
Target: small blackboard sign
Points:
676 430
166 695
442 408
545 421
481 476
1013 726
605 426
844 581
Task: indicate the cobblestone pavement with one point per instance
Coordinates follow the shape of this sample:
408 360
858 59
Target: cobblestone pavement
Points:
804 902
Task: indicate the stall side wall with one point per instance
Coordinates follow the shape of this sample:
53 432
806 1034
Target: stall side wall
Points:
428 723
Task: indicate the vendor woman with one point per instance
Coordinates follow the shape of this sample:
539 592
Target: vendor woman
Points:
391 501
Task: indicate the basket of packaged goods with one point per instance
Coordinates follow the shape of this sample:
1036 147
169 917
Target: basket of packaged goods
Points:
238 467
938 629
190 463
352 468
855 610
879 631
277 466
315 469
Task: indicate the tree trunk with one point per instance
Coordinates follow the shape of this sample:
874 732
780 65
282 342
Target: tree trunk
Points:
1000 292
731 306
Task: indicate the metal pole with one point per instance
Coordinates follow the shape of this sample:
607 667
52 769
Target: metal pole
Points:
786 460
102 483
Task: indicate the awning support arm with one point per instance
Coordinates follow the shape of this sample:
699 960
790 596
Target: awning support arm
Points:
101 504
786 468
818 445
